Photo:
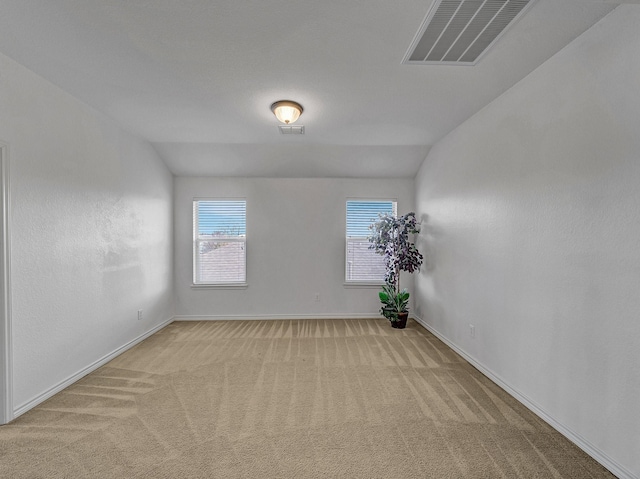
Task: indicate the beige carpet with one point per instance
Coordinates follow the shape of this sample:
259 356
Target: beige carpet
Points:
287 399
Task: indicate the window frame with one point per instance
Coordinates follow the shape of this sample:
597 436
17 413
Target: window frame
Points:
196 241
361 282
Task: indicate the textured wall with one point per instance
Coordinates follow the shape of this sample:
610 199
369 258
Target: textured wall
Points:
295 246
91 233
533 235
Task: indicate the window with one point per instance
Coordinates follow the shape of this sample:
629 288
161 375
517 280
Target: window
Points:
363 265
219 242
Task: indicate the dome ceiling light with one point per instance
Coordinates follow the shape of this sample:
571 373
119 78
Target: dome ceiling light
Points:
287 111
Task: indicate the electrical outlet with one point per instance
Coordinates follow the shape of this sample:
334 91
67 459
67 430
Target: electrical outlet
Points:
139 315
472 331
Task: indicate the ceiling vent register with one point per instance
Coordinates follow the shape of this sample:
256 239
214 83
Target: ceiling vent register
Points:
291 129
459 32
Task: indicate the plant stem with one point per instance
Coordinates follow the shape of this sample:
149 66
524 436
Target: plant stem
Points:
397 248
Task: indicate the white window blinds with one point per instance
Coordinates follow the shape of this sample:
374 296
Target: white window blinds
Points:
219 241
363 264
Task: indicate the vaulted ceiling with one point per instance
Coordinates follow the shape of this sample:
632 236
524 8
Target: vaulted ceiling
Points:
196 78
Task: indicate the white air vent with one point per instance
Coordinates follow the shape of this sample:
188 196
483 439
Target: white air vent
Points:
458 32
291 129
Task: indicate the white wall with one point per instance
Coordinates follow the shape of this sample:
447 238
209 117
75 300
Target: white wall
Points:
295 247
534 230
91 234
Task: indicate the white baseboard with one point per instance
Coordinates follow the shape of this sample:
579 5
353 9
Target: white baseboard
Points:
264 317
617 469
83 372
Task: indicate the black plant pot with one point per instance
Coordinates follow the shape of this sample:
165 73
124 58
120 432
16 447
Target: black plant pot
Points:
387 313
401 322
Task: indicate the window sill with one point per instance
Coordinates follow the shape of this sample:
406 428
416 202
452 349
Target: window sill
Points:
221 286
358 284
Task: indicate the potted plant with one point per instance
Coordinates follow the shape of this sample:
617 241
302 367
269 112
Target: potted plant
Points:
394 305
390 238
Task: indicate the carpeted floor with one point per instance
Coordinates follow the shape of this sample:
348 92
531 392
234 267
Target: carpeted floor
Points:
287 399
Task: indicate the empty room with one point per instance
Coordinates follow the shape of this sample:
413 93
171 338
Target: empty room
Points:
351 239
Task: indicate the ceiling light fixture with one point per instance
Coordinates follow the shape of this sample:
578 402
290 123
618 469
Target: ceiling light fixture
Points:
287 111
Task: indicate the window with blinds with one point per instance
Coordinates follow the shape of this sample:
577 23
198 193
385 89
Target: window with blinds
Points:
219 241
363 265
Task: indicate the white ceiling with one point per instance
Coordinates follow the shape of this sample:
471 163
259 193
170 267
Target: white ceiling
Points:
197 77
